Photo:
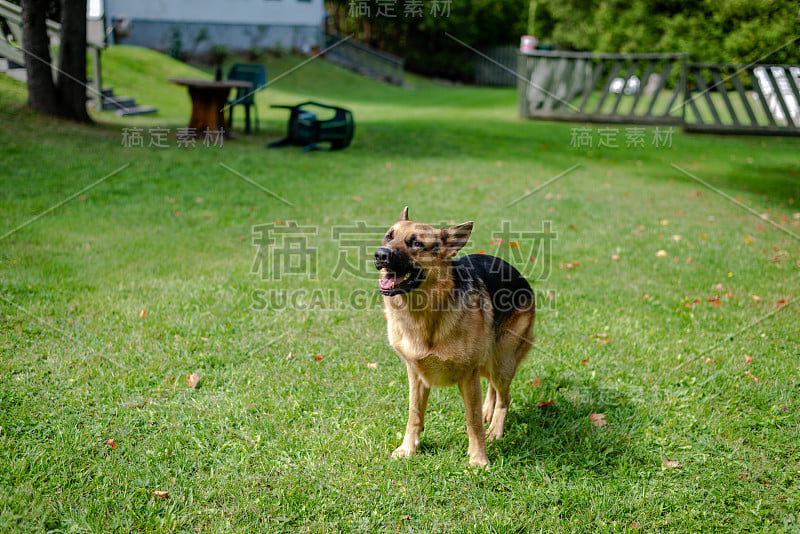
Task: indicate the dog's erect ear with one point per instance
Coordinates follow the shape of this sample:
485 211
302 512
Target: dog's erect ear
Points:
404 215
454 238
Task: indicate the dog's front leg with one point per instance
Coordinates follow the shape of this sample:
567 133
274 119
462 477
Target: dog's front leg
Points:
470 387
417 403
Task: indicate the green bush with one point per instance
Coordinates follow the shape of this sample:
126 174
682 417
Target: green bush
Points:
741 31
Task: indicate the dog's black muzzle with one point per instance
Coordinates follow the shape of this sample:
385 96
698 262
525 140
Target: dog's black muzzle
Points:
383 258
401 275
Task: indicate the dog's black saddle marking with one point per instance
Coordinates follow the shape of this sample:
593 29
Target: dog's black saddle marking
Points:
507 288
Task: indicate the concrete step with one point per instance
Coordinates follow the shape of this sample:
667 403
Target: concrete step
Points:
18 74
136 110
115 103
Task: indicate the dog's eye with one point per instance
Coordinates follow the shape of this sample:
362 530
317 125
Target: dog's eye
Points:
389 236
417 244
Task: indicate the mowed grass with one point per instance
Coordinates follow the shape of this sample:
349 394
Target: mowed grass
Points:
112 298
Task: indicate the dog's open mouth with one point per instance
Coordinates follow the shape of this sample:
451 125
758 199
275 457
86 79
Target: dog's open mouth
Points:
392 283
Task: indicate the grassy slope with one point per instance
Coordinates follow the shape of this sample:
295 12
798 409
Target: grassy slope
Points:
270 443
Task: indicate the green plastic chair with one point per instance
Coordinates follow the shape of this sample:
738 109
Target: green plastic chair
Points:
306 130
256 75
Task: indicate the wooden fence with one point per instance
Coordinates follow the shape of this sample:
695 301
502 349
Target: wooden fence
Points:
659 89
613 88
759 99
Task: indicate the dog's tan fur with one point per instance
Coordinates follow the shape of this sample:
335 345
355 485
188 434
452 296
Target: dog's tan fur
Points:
444 345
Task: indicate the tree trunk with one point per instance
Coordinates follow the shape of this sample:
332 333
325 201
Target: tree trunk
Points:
71 82
66 97
41 89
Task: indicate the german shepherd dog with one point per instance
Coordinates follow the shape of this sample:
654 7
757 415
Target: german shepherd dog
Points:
453 321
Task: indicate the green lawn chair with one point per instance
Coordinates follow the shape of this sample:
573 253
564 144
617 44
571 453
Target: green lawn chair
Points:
255 74
306 130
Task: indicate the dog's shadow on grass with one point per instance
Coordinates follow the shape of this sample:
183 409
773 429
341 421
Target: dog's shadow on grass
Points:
590 428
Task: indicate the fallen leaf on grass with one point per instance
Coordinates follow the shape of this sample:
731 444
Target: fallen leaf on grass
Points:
780 256
615 257
289 356
545 403
584 361
756 298
534 382
661 254
598 419
747 359
111 443
781 303
142 314
319 357
601 338
372 365
751 375
634 525
161 494
669 464
192 380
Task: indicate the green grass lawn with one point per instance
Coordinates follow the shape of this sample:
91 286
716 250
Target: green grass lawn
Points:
112 298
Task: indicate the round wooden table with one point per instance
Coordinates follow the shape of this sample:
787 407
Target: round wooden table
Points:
209 102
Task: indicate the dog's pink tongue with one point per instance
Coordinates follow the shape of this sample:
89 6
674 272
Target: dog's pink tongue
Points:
388 282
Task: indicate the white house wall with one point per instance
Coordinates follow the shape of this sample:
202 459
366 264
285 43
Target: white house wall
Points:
272 12
200 24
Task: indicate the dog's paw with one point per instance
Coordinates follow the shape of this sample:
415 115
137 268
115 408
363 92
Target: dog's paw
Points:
487 414
403 451
479 460
492 435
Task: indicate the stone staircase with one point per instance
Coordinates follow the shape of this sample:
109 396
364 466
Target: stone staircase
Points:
124 105
121 105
